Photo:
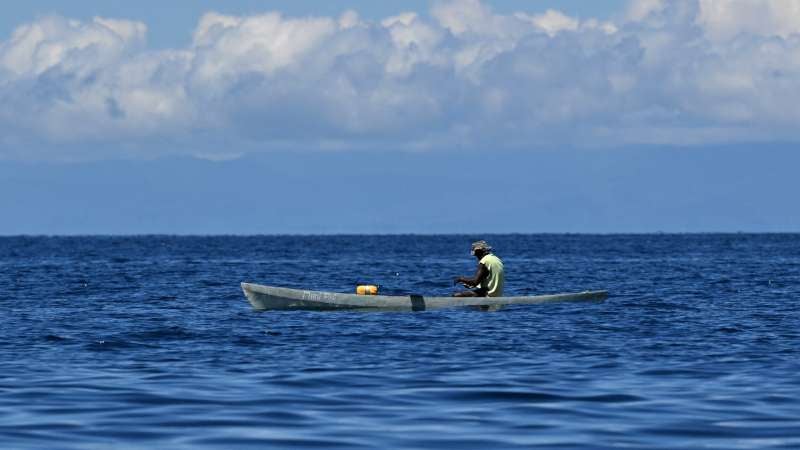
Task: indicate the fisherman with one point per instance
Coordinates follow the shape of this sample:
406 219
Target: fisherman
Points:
488 280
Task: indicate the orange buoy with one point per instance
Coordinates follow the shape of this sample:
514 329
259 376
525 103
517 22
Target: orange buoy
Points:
367 289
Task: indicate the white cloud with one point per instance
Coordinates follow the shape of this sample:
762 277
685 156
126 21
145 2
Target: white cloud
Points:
227 46
677 72
349 19
80 47
553 22
723 20
640 9
726 19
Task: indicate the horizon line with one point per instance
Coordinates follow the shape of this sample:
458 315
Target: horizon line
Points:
400 234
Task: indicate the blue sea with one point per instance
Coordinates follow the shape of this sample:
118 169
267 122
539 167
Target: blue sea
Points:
148 342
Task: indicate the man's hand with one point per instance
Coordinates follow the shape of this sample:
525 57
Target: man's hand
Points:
463 281
480 275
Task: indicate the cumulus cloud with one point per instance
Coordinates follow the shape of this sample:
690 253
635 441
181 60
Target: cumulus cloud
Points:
679 72
726 19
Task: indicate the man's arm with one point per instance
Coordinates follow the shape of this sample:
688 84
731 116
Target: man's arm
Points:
480 275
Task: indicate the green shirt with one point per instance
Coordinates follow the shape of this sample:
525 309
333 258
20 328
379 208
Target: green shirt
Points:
494 282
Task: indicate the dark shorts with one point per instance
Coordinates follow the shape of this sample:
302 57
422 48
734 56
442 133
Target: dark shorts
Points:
472 293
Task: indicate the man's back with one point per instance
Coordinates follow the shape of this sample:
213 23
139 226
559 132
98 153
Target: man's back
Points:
493 284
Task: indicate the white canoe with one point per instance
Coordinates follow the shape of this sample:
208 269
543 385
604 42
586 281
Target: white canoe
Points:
277 298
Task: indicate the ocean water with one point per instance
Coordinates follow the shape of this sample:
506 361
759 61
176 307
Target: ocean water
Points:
148 342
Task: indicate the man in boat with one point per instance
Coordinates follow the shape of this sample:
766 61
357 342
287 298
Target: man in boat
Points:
489 279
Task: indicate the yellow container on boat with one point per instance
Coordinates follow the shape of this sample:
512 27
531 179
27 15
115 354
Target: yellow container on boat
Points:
367 289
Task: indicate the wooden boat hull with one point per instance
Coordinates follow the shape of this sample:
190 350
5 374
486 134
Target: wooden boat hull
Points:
267 298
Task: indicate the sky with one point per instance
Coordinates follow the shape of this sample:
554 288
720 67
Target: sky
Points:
651 115
170 23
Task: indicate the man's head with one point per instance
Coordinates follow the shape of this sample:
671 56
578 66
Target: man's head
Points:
481 249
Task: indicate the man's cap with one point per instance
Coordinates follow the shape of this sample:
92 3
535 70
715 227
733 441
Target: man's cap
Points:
481 245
